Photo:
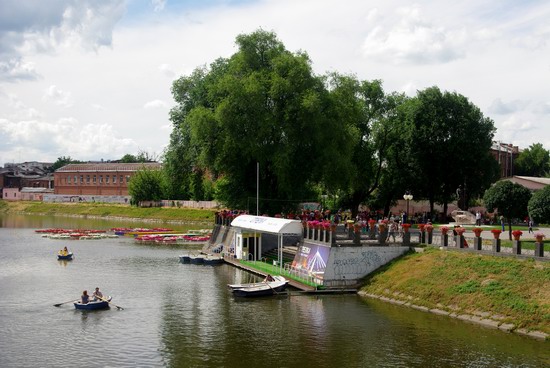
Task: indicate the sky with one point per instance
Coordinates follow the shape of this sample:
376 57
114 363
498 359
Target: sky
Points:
91 79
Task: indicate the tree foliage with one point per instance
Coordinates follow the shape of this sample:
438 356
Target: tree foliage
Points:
62 161
147 185
450 141
510 199
539 205
533 161
262 106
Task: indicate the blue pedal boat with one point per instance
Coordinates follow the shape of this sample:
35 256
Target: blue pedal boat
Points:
93 305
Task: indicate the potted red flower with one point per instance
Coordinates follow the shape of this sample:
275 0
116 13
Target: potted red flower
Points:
444 230
496 233
460 230
406 227
421 227
477 231
539 237
429 228
517 234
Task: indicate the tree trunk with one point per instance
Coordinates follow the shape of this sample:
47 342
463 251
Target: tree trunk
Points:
510 228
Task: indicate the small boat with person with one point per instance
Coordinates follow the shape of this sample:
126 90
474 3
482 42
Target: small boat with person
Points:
270 286
102 303
64 254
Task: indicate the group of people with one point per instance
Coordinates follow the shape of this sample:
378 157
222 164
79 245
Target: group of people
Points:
97 295
64 252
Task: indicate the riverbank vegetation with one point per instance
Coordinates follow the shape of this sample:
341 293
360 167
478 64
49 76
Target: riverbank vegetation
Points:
108 210
507 290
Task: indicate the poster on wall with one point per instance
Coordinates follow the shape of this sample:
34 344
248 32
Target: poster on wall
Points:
311 259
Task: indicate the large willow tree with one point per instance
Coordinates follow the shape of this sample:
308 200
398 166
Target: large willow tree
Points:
265 106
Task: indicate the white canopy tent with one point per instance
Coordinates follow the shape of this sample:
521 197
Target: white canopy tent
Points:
262 224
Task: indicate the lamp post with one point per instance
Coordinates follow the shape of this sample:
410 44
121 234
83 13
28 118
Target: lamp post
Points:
408 197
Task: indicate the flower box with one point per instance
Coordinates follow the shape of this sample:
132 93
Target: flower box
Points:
539 237
429 228
459 230
496 233
477 231
444 230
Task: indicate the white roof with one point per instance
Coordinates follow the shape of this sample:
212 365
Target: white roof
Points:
268 224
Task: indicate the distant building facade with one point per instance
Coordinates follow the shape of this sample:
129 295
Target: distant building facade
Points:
506 155
97 179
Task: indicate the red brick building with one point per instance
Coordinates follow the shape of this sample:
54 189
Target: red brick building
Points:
108 179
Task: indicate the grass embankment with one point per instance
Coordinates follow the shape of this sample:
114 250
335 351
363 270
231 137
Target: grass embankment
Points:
507 290
107 210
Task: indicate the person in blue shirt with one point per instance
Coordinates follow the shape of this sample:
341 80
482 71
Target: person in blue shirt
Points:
85 298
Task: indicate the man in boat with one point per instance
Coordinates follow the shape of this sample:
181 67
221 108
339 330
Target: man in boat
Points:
269 278
97 294
85 298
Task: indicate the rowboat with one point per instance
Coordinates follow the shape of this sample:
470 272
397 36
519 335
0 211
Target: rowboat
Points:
265 288
93 305
68 256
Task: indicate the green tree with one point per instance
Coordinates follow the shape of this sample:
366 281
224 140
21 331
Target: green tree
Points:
147 185
450 141
262 106
128 158
533 161
539 206
62 161
510 199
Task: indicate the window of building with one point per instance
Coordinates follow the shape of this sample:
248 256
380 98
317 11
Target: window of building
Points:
94 179
68 179
121 179
114 179
75 180
127 179
87 179
100 179
81 179
106 179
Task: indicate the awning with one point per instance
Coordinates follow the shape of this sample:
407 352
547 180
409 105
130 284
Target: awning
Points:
272 225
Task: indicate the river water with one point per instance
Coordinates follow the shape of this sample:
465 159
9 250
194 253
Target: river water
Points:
183 315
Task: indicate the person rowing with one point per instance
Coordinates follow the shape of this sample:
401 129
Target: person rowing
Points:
269 278
98 295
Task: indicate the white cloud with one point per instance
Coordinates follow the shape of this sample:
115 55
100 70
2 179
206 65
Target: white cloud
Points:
155 104
158 5
414 39
167 70
13 70
58 96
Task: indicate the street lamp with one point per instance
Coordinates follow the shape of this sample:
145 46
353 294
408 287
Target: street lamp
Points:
407 197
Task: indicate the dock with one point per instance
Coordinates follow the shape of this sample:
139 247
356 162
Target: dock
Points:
303 289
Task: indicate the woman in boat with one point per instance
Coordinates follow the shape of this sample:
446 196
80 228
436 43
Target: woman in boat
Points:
97 294
85 298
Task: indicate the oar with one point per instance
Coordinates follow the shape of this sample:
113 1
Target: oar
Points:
59 304
105 300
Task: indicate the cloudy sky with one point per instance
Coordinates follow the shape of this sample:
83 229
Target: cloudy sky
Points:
91 79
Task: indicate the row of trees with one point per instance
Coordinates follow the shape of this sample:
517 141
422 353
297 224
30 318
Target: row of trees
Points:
316 135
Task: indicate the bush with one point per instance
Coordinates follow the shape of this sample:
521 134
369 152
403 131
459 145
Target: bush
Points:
539 205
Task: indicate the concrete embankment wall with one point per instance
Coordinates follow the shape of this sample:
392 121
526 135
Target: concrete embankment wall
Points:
347 265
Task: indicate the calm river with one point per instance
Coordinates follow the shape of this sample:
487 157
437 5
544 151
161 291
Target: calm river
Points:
182 315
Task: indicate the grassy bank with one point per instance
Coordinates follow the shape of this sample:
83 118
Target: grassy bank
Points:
506 289
107 210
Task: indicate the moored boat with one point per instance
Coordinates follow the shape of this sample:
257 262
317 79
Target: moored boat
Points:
93 305
212 260
254 284
265 288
